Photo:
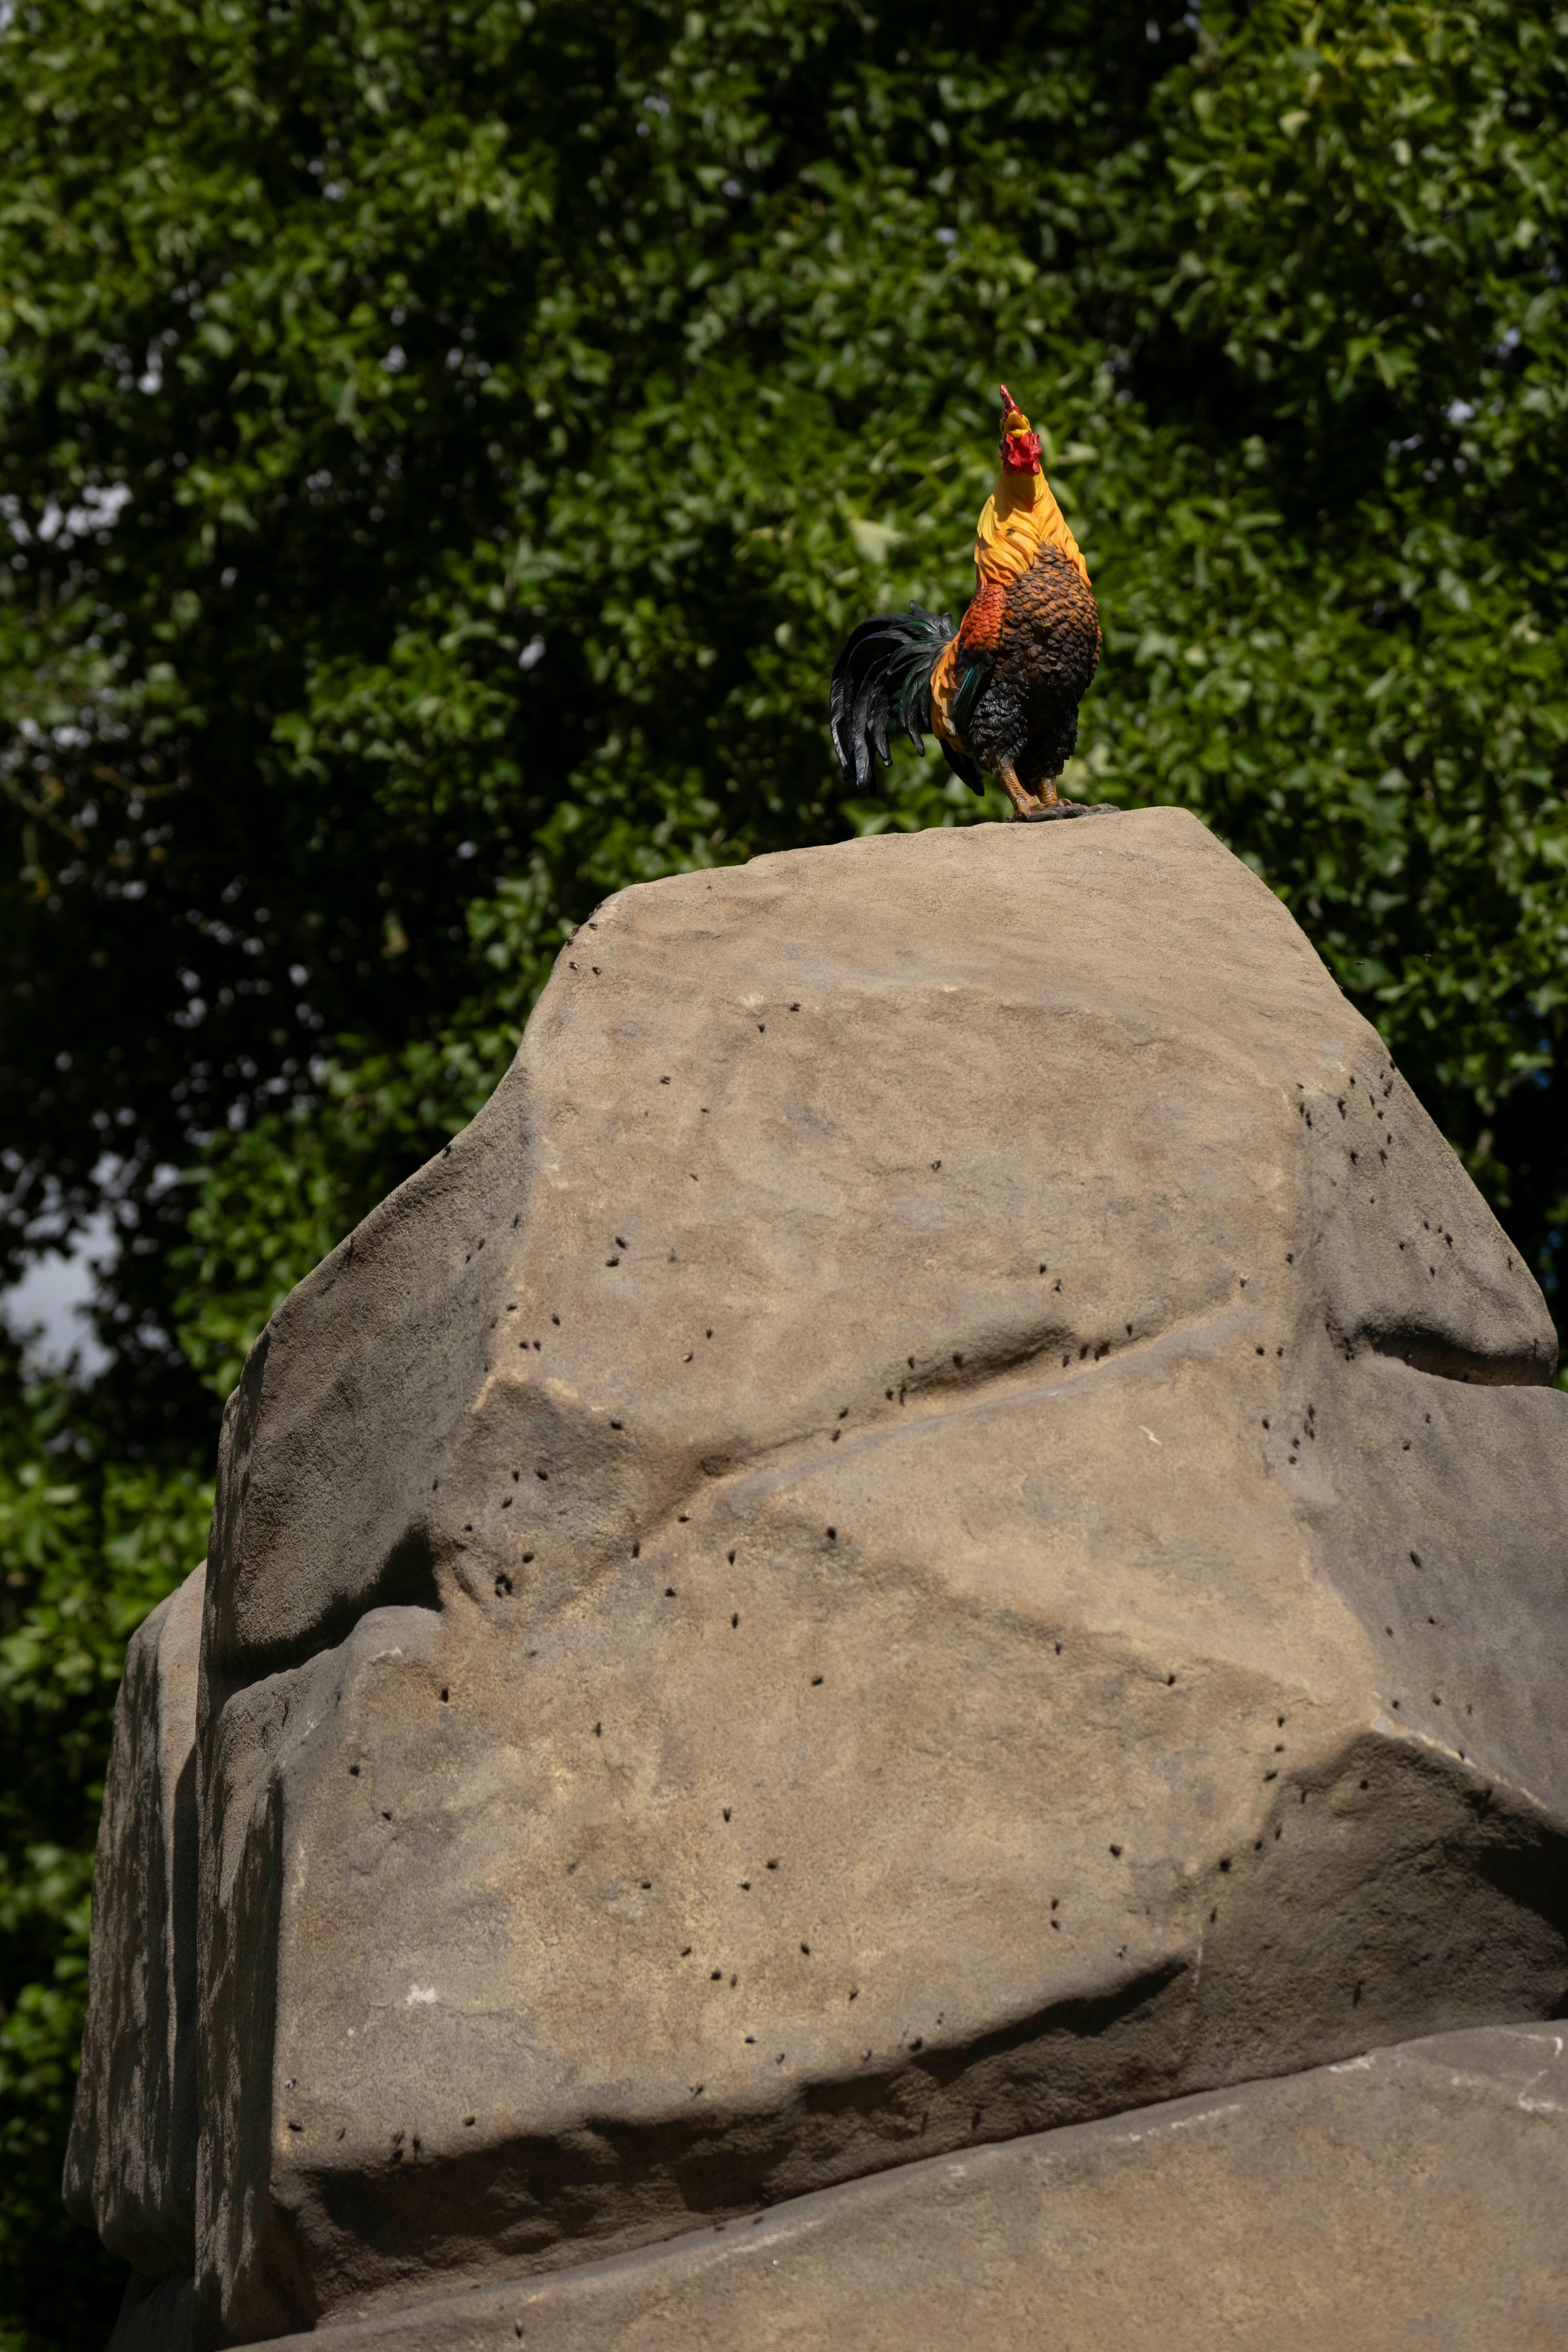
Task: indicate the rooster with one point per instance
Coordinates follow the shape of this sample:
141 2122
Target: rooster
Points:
1002 695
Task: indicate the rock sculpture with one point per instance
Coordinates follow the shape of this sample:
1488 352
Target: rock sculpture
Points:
133 2167
1408 2198
943 1521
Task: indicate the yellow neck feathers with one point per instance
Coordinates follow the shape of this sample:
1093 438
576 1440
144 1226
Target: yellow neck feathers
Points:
1018 520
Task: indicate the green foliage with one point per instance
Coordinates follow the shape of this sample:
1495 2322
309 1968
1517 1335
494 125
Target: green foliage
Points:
1365 227
443 450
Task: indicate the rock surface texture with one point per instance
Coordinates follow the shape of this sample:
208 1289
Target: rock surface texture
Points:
943 1521
130 2170
1409 2199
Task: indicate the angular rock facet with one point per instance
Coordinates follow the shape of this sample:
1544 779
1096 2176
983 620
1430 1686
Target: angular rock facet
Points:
130 2167
943 1519
1414 2197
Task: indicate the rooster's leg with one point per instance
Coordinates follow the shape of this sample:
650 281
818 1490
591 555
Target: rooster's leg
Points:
1024 804
1030 810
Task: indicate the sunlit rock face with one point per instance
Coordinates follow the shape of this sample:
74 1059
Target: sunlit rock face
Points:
1405 2197
944 1519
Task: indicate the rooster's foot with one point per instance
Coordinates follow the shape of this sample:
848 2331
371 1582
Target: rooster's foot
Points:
1054 808
1031 809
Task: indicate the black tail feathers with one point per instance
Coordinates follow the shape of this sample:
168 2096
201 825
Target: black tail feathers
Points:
881 682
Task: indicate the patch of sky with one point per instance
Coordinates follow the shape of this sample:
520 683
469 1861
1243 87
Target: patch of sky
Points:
49 1312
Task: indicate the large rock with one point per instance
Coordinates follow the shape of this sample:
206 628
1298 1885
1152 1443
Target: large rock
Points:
131 2164
1413 2198
944 1519
154 2315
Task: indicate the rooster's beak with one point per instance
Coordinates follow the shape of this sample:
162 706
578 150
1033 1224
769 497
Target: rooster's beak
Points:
1012 419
